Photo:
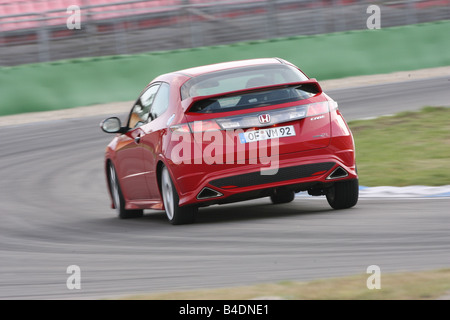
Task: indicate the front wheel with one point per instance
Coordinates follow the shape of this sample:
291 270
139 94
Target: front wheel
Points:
175 214
344 194
118 199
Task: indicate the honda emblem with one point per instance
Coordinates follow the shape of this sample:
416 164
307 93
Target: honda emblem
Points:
264 118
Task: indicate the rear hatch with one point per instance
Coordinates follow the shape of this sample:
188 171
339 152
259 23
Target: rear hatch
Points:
246 125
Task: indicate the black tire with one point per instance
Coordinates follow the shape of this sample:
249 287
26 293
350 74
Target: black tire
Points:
118 199
175 214
282 196
343 194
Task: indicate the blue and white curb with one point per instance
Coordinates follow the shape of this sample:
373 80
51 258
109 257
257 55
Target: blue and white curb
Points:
405 192
399 192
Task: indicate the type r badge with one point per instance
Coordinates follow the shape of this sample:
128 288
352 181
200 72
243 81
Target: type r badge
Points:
317 118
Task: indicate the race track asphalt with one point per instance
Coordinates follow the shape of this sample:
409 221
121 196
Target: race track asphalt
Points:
55 213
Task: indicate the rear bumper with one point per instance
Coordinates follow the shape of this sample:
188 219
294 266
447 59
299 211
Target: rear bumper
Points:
298 171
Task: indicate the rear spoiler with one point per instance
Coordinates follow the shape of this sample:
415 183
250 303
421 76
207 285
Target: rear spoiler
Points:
310 85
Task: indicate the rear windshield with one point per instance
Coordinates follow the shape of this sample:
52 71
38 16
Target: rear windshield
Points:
240 78
253 99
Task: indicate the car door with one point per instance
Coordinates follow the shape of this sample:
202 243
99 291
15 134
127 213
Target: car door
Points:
152 137
130 154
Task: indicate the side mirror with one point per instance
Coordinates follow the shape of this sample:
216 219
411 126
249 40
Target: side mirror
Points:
112 125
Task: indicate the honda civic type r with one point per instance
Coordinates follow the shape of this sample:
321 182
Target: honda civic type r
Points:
225 133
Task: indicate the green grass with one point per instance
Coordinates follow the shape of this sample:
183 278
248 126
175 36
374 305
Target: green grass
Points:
409 148
394 286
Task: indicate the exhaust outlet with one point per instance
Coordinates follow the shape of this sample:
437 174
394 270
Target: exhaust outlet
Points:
208 193
337 173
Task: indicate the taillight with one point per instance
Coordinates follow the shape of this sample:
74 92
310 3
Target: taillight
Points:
251 120
180 128
333 105
202 126
315 109
196 126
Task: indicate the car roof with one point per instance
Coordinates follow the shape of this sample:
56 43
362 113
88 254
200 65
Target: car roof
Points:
196 71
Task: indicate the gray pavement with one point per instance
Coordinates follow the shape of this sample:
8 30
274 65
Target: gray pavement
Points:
385 99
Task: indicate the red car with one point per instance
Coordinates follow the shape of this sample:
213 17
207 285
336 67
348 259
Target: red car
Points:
229 132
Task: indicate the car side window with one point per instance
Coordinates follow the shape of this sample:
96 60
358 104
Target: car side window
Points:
161 102
141 110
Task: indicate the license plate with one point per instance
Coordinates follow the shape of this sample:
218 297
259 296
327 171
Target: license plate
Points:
266 134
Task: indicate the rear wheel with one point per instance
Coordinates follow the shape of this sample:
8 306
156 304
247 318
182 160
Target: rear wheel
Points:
282 196
175 213
343 194
118 199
